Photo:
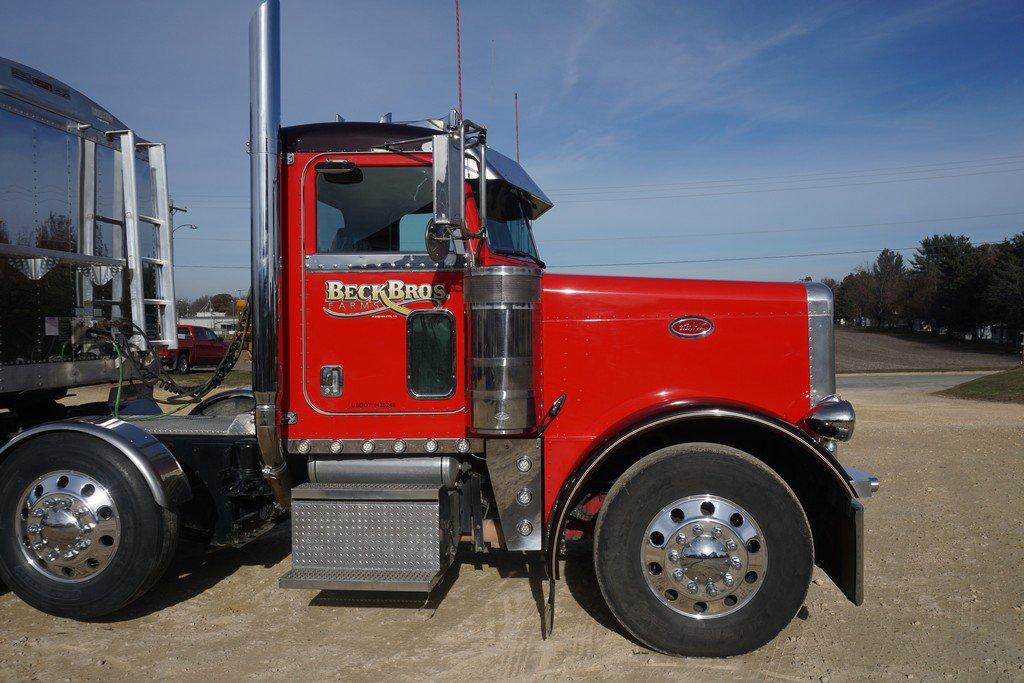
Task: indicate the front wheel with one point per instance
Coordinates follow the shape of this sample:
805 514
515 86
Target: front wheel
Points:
182 366
80 533
702 550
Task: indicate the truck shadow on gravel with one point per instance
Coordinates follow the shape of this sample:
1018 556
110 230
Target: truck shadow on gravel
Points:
196 568
581 581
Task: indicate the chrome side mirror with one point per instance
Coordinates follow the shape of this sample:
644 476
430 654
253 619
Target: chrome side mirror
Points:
440 244
449 182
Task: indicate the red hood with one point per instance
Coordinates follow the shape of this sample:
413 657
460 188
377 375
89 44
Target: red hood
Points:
607 345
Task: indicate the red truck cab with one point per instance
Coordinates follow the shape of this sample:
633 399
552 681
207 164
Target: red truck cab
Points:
196 346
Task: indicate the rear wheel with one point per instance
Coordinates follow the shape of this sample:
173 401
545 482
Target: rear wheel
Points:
80 533
701 549
182 365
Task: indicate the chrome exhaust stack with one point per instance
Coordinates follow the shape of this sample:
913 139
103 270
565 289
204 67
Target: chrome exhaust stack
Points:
264 135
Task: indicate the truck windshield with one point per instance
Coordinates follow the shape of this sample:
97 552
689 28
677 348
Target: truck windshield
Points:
508 228
373 209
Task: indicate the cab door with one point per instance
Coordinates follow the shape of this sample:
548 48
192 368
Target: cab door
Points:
382 325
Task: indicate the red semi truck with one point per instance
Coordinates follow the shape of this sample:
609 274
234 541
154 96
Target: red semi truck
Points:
420 381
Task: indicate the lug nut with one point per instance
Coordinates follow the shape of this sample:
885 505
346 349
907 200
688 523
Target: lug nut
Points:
734 562
673 555
38 546
82 511
53 555
35 529
697 529
71 554
730 544
83 544
692 587
716 532
681 538
727 579
677 574
39 512
711 588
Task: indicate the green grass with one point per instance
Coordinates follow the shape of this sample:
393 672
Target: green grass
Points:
1006 387
235 378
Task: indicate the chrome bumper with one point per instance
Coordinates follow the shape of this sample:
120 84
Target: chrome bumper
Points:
864 483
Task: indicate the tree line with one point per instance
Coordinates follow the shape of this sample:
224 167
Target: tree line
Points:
950 285
217 303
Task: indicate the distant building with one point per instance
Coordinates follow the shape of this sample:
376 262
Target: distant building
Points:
221 323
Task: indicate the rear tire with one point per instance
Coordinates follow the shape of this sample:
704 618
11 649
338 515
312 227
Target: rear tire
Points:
182 365
128 548
659 540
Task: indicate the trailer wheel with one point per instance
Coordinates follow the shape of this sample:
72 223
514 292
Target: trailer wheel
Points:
80 533
702 550
182 365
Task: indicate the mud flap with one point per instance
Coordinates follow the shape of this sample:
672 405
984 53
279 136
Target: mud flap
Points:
843 559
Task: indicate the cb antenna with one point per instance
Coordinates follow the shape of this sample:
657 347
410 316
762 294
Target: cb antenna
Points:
458 53
517 126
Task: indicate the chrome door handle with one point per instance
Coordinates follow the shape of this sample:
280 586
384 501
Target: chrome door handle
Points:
331 380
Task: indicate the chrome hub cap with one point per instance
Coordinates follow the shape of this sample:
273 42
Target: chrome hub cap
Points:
69 526
704 556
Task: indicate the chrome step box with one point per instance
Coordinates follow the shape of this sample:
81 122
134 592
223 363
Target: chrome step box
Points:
371 537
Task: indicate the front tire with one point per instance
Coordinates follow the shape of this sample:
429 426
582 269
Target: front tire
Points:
702 550
80 533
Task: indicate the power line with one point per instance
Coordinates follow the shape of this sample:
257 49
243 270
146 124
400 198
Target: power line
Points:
781 189
770 257
746 258
721 184
202 267
774 230
812 175
989 161
728 193
212 239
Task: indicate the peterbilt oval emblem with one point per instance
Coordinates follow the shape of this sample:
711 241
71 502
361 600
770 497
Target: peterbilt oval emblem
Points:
691 327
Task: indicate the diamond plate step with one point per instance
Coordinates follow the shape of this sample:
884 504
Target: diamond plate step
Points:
375 537
415 581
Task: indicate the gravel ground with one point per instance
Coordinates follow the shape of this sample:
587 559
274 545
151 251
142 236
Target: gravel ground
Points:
943 569
858 350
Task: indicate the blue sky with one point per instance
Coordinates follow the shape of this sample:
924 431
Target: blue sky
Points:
663 131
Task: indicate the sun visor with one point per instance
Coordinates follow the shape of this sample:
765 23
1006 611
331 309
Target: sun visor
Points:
500 167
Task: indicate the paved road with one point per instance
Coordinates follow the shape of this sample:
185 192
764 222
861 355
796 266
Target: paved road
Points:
904 381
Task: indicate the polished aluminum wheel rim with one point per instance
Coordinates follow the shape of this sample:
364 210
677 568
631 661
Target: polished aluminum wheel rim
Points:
69 526
704 556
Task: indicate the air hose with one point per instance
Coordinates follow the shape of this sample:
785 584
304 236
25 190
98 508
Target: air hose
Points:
180 395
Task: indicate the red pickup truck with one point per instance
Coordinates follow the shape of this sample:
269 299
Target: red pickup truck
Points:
196 346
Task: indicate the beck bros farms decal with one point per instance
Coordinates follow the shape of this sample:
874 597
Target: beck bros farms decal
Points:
346 300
